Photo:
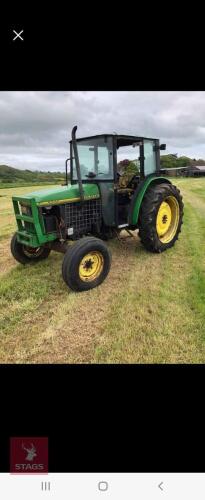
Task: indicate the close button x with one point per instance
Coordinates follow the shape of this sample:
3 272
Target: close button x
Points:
18 35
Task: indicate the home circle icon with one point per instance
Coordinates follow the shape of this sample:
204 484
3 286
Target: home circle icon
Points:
103 486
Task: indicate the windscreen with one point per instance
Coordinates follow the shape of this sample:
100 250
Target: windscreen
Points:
95 158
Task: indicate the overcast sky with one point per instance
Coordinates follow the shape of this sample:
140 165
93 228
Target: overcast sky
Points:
35 127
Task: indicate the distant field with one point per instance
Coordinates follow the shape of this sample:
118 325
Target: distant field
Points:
14 185
150 309
11 177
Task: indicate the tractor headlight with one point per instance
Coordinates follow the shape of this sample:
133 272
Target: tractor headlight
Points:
25 210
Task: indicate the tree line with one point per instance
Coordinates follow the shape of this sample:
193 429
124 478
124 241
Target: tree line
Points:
172 161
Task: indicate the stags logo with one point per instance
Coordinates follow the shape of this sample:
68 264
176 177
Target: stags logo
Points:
29 455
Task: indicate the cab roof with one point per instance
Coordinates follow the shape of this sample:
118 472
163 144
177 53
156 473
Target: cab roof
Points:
123 140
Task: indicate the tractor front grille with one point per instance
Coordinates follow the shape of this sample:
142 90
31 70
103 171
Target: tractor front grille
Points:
83 217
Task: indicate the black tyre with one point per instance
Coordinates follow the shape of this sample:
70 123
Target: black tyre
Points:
86 264
161 217
25 254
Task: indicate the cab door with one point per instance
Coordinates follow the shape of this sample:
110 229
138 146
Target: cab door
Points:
150 157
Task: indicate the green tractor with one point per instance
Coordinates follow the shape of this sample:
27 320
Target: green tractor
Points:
99 202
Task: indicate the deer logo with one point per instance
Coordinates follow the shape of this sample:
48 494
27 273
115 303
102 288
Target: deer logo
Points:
31 452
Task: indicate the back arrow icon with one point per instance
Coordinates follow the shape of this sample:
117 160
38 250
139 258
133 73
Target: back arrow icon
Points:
160 486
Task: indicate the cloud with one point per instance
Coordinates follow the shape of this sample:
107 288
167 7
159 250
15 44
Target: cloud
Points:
35 126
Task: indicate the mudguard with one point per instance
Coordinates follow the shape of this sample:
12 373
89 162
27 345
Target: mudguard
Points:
139 195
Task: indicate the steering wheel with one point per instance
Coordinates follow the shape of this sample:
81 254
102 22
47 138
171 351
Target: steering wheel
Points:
90 174
93 174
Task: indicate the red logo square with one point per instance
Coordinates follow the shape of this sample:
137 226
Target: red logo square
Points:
29 455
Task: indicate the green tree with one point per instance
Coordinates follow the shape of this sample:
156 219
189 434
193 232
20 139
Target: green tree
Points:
183 161
168 161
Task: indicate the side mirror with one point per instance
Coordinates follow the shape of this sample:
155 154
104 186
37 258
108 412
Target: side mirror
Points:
162 147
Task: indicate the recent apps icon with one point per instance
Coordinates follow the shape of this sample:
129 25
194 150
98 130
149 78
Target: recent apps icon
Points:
29 455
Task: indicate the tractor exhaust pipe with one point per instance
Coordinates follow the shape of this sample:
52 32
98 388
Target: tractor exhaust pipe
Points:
66 171
75 150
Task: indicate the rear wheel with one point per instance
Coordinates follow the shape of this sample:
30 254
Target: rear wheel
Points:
86 264
25 254
161 217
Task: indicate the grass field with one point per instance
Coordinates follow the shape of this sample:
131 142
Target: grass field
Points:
150 309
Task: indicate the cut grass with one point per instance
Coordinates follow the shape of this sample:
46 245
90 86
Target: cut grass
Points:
164 321
55 327
150 309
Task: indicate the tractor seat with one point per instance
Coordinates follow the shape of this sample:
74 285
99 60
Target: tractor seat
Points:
125 179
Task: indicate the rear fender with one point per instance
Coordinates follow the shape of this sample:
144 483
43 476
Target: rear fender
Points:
139 195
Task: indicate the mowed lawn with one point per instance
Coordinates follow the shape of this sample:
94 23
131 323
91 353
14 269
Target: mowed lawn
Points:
150 309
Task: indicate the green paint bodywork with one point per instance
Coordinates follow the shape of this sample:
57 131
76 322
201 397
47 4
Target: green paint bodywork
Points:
60 194
36 235
144 185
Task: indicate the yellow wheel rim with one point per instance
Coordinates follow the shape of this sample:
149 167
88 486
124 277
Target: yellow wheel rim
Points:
91 266
167 219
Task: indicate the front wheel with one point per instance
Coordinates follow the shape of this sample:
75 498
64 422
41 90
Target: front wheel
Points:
25 254
86 264
161 217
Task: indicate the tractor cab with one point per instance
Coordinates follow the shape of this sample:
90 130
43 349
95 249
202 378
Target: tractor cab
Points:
97 159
